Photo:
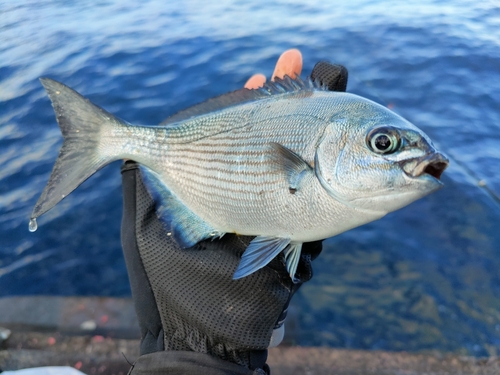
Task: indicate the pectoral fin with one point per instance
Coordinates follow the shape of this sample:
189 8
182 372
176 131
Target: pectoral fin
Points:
185 227
259 253
295 168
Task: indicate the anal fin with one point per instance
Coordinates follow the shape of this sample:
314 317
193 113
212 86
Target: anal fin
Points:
185 227
292 257
259 253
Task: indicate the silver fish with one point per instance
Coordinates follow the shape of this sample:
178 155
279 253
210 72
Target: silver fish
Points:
288 163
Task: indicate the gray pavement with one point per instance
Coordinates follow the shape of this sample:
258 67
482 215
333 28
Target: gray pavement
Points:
100 336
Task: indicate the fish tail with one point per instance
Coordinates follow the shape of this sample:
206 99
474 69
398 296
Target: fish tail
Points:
81 154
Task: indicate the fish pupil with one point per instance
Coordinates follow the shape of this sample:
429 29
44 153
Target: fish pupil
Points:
382 142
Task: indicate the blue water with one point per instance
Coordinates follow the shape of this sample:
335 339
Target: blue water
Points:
423 278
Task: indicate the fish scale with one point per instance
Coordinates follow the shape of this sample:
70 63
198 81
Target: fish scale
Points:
241 192
288 163
253 160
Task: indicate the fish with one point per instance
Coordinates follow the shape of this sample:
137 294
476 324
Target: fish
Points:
287 163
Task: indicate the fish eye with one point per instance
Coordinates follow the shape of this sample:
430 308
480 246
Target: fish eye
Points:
383 140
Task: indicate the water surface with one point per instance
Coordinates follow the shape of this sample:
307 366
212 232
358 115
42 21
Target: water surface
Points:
423 278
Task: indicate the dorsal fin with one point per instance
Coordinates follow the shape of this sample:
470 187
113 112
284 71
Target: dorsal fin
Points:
280 86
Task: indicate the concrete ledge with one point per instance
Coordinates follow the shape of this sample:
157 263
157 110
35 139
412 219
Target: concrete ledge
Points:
322 361
114 317
99 355
62 339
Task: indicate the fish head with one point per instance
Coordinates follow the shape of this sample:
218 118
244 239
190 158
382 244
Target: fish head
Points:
372 159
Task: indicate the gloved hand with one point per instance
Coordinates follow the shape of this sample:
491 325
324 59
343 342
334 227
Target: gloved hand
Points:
194 318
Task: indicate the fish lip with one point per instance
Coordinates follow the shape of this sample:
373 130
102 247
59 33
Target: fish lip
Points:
431 165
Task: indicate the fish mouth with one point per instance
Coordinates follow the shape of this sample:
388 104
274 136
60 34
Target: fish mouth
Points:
428 165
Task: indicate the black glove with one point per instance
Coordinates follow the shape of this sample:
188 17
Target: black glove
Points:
194 318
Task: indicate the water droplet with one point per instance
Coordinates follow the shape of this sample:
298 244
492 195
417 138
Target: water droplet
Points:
33 226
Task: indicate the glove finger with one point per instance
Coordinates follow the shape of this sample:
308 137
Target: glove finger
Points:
333 76
313 249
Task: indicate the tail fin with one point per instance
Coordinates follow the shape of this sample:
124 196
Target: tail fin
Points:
81 123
